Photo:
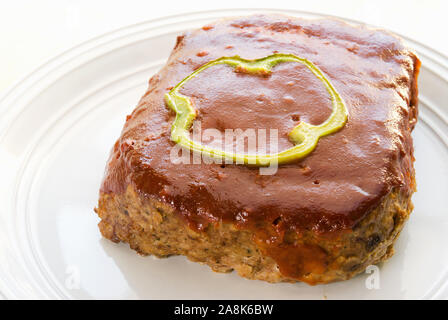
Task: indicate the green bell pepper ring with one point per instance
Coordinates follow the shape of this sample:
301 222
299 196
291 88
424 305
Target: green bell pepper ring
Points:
304 136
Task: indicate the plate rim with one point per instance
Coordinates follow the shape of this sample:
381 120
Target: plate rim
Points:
53 59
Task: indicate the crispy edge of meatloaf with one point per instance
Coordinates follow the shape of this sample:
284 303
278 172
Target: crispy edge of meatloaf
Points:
154 228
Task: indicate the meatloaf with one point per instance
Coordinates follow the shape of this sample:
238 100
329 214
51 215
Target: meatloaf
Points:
320 218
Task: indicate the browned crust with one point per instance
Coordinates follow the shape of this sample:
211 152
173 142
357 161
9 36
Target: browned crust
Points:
153 228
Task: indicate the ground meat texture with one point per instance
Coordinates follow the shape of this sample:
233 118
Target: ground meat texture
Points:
153 227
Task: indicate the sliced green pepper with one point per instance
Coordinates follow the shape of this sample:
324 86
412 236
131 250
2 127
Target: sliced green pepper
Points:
305 136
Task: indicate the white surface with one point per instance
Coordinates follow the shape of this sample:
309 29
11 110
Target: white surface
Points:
52 156
33 31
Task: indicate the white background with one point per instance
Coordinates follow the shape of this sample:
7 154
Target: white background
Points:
33 31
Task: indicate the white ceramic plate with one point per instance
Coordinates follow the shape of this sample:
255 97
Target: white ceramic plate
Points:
56 129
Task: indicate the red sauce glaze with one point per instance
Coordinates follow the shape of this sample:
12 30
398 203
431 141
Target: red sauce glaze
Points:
332 189
298 261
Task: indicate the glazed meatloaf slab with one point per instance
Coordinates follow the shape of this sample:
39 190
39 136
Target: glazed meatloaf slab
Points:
320 218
